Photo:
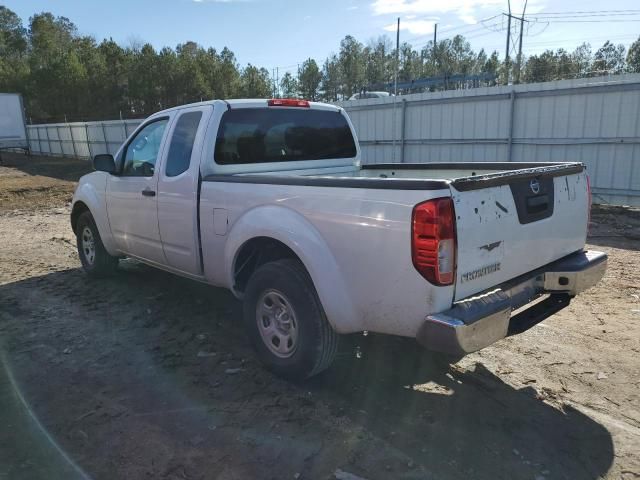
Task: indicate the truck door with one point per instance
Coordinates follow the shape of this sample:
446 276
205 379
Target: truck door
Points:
178 190
132 203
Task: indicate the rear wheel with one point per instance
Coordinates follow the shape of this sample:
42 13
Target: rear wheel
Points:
285 321
95 259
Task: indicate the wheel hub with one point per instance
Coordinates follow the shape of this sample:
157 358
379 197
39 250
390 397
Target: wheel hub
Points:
277 323
88 245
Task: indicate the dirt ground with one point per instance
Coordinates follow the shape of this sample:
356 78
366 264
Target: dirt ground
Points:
146 375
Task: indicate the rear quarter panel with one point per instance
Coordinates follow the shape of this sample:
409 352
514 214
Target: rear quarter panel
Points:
355 243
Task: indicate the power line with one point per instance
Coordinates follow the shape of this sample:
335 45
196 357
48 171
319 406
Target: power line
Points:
473 28
621 12
464 34
446 30
534 23
479 35
607 37
485 27
594 21
285 67
454 28
542 15
495 47
428 35
538 17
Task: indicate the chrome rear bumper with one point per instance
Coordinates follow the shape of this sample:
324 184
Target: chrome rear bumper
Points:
479 321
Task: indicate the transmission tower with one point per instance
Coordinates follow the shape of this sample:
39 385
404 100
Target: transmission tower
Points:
513 47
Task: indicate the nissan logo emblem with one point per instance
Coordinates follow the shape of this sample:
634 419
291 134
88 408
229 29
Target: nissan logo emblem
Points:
534 185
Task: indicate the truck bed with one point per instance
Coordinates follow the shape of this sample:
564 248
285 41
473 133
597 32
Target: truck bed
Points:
463 176
511 218
411 176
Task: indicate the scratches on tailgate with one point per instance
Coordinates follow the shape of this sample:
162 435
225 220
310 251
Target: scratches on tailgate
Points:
501 207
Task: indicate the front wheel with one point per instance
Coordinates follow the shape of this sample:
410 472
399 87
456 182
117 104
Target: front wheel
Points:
285 321
95 259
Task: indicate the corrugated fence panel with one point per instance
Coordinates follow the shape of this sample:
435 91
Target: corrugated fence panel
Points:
80 145
80 139
595 121
54 140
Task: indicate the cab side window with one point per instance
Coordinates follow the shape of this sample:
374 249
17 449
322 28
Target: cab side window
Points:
142 152
184 135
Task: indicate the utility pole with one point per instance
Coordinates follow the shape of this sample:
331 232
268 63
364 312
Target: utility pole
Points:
506 53
507 59
395 86
520 44
435 42
395 91
273 80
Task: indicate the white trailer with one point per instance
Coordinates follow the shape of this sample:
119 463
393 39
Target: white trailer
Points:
13 132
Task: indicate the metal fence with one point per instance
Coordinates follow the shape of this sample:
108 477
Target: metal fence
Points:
80 139
595 121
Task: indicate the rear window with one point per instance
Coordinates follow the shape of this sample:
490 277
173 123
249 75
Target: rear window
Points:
181 147
261 135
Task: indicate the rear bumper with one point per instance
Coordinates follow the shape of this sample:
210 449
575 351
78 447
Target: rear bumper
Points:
479 321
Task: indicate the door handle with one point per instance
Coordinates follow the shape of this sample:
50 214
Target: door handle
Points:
148 193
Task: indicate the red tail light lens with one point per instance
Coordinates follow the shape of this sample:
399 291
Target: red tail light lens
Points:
287 102
433 240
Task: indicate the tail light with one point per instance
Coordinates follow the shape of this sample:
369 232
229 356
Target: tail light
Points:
287 102
433 240
589 202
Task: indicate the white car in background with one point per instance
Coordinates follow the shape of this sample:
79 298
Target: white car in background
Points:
363 95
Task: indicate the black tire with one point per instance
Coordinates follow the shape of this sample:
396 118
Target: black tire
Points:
316 342
100 264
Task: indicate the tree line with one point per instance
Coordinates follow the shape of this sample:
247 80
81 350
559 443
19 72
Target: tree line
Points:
63 75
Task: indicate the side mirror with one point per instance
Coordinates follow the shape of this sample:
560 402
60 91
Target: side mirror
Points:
104 162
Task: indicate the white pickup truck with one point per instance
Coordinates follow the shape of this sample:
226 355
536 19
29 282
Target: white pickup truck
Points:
269 199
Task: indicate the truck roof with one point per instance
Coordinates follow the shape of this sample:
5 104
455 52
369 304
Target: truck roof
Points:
245 103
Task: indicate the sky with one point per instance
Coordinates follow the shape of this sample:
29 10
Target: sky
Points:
283 33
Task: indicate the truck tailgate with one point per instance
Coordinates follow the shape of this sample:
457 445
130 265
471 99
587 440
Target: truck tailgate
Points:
511 224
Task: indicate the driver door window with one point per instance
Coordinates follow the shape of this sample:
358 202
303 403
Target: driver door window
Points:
142 152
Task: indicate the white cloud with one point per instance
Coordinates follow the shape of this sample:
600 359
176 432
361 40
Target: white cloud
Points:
469 19
414 27
352 7
382 7
466 10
